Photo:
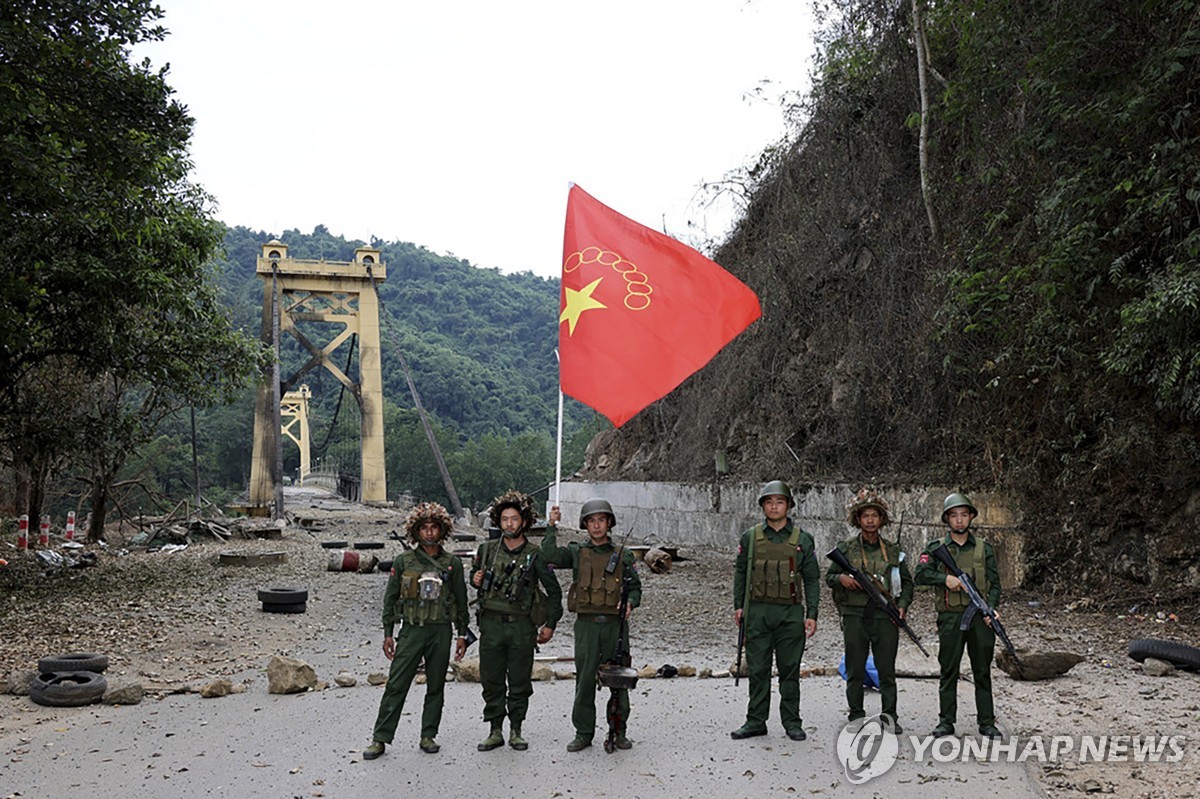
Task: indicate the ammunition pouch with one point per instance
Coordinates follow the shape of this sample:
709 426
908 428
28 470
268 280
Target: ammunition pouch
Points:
594 589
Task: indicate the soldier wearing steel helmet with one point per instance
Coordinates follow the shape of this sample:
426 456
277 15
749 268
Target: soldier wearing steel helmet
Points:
977 558
594 597
514 616
426 593
776 588
866 629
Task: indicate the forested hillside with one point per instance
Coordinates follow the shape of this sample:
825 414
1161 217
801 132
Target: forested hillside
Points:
1018 307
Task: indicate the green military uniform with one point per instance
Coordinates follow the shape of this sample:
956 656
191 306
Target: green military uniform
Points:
509 616
593 597
424 634
977 558
785 587
866 628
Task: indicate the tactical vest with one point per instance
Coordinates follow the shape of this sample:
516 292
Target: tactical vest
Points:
774 570
507 595
594 590
879 564
413 607
972 561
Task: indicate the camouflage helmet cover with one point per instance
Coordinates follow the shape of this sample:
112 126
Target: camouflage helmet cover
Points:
776 487
512 499
597 506
957 500
427 512
866 497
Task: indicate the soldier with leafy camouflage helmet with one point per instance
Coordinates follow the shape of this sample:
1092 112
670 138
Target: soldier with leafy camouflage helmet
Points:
977 558
598 569
514 615
866 629
425 594
776 588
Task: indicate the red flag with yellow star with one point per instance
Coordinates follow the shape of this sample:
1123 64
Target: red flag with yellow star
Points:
640 311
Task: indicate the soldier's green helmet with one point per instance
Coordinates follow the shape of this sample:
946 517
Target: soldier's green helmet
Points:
957 500
776 487
596 506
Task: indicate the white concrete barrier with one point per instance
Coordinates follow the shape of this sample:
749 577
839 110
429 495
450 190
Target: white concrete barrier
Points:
715 514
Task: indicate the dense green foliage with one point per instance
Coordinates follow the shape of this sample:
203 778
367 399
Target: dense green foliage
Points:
1046 343
118 312
109 317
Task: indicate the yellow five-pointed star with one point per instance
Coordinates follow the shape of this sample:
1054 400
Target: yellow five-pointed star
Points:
577 303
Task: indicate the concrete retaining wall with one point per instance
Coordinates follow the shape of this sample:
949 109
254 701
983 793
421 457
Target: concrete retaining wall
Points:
714 515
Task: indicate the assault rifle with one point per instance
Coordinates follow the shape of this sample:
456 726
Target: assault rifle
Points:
737 675
978 605
517 590
868 585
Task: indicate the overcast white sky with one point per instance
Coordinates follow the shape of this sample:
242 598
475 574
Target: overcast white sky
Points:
458 124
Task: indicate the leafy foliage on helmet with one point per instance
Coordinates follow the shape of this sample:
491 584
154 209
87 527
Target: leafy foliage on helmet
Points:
866 497
512 499
427 512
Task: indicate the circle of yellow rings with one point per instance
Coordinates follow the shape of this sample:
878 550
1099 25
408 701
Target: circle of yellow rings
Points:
637 285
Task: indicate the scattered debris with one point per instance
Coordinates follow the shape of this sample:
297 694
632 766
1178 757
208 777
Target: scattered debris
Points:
658 561
288 675
1153 667
349 560
231 558
217 688
1037 665
124 693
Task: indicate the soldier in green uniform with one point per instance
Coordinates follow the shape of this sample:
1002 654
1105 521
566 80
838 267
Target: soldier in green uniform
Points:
598 568
776 587
866 628
513 615
426 593
977 558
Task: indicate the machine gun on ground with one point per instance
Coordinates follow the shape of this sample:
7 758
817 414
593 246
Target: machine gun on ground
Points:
978 605
617 674
867 584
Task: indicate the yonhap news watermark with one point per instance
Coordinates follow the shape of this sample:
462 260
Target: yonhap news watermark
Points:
870 747
1051 749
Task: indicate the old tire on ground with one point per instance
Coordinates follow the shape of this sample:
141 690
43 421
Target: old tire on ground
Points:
1181 656
284 607
385 566
368 545
73 661
335 544
68 688
283 595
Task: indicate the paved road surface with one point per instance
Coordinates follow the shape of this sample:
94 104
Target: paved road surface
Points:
308 745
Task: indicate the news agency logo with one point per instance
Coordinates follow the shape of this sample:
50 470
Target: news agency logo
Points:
1052 749
867 748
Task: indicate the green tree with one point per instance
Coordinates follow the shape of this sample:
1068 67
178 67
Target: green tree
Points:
104 244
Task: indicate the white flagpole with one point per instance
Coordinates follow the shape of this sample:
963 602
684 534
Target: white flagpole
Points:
558 446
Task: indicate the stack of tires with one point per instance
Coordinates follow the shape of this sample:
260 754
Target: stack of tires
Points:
283 599
71 680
